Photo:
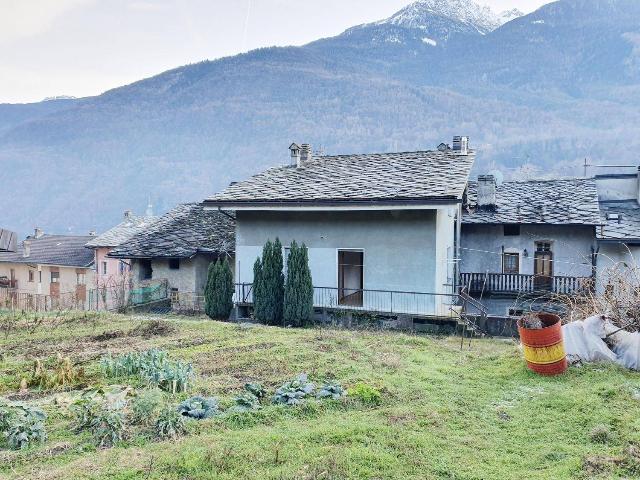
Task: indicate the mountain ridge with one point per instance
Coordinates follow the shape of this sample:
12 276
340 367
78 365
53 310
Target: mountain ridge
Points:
528 93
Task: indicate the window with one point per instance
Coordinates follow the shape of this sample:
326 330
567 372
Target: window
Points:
350 277
32 276
55 277
39 276
146 272
511 230
511 263
81 278
174 264
104 268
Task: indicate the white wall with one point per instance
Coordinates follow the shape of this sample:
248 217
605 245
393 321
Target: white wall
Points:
403 250
571 245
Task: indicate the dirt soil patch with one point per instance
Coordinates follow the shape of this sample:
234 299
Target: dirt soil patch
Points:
154 328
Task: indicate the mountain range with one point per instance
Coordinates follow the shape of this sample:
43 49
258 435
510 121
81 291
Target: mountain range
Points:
537 93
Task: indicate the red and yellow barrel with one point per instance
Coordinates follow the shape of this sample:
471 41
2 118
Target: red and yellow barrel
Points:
544 348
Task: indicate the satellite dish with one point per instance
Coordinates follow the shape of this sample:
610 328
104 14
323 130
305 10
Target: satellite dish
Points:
498 175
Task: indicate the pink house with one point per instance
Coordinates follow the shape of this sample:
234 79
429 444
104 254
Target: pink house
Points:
113 271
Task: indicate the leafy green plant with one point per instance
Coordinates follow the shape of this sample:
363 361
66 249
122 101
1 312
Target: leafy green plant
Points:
298 293
153 366
292 392
255 389
331 390
22 425
145 406
170 423
218 293
245 402
103 415
366 394
199 408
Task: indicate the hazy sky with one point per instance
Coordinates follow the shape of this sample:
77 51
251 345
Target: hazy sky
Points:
84 47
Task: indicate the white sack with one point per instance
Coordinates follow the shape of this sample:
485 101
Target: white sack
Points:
583 342
626 345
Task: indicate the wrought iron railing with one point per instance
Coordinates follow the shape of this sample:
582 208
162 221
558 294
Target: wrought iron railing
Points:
511 283
373 301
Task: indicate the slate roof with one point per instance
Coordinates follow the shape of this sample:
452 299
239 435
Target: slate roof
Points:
553 202
61 250
429 176
626 227
121 232
183 232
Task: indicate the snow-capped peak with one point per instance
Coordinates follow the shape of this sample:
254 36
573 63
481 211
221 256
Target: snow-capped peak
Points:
420 13
509 15
468 12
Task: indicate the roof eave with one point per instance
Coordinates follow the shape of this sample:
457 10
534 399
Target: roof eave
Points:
330 203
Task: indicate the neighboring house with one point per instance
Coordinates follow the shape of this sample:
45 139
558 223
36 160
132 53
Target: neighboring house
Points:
179 247
8 241
55 265
113 271
525 241
619 236
376 225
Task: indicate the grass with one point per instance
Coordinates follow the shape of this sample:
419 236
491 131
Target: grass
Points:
444 413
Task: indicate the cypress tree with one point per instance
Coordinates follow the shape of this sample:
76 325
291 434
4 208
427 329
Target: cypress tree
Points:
268 295
258 298
208 290
219 290
298 296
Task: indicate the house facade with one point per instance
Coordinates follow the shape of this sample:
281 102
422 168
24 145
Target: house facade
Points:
57 266
178 248
619 235
525 242
381 229
114 271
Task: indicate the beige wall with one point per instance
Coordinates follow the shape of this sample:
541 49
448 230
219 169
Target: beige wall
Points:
67 281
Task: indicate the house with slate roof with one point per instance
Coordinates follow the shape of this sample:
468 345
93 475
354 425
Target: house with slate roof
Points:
619 235
525 240
178 247
379 227
113 271
55 265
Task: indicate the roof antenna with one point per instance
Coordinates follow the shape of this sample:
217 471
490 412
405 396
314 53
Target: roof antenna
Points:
149 212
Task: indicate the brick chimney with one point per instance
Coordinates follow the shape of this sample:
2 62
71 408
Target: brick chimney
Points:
486 192
461 145
305 153
26 248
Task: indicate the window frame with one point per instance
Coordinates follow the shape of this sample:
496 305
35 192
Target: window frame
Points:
340 282
512 255
54 277
174 264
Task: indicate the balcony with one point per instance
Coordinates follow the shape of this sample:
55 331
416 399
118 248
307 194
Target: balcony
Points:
383 302
516 284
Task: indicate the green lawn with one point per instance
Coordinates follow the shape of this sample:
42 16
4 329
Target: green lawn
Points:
445 413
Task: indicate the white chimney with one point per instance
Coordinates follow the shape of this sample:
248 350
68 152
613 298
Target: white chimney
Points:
486 192
461 145
38 233
294 150
26 248
127 214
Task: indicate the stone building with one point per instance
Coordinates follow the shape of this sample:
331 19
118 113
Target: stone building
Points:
179 247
